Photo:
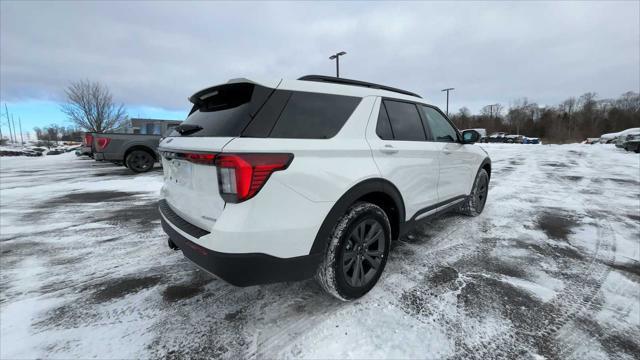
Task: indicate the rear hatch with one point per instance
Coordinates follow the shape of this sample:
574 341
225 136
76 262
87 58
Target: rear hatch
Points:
219 115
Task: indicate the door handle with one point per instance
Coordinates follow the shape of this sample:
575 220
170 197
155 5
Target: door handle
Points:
388 149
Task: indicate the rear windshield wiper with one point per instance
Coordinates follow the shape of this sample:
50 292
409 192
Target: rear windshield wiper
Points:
187 129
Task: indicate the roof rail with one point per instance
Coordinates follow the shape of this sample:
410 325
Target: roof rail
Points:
343 81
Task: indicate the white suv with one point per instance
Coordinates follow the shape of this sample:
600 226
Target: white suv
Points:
286 180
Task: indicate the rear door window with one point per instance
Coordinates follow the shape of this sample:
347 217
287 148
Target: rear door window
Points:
383 128
404 120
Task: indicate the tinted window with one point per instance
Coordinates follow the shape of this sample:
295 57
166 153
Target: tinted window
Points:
225 110
313 115
383 129
267 116
441 129
405 120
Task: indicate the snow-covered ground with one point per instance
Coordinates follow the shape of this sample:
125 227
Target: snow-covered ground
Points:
551 268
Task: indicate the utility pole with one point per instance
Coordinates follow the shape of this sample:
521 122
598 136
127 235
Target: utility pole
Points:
336 57
20 123
447 90
15 136
8 122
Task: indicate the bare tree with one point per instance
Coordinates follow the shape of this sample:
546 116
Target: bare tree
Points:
90 106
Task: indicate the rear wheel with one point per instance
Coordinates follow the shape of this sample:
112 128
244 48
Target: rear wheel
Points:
139 161
357 252
474 204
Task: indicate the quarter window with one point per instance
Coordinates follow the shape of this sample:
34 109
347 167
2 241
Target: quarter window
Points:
405 121
441 129
314 115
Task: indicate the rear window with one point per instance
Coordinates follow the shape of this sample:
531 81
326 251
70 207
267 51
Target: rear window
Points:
225 110
249 110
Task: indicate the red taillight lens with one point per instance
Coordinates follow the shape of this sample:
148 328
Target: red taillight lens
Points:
88 139
241 176
204 159
103 142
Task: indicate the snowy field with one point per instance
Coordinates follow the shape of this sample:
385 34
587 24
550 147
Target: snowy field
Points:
551 268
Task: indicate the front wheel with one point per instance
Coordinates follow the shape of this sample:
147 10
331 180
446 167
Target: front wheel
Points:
474 204
139 161
357 252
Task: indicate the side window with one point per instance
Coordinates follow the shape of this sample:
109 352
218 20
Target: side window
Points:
405 121
441 129
383 129
314 115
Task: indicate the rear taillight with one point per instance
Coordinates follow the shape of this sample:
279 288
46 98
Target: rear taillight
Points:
88 139
204 159
241 176
102 143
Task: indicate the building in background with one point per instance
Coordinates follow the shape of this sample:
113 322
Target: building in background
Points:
151 126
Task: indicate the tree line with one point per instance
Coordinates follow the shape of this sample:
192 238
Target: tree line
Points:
54 133
574 119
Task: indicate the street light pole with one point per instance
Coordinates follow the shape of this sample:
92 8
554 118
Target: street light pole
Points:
336 57
447 90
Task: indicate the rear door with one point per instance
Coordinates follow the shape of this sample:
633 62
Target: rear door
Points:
403 155
455 160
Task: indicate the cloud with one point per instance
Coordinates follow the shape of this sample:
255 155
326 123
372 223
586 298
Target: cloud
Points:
158 53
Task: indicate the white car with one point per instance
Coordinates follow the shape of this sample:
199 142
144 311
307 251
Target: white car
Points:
608 138
291 179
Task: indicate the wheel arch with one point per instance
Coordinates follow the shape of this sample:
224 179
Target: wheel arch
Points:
486 164
142 147
377 191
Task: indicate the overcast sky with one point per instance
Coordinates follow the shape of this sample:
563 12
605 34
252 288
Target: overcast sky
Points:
153 55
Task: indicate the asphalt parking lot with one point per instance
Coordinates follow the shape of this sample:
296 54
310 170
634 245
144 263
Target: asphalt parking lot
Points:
551 268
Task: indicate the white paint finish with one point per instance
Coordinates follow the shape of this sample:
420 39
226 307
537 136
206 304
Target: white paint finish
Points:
458 166
283 218
412 166
277 222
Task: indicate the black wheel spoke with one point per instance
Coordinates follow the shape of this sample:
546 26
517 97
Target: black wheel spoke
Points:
363 252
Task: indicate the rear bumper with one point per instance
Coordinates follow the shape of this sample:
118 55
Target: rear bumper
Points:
237 269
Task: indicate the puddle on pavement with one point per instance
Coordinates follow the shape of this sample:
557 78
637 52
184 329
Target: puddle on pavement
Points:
117 288
556 225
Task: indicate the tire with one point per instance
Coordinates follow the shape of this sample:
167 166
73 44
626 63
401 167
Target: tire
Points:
340 277
139 161
637 150
474 204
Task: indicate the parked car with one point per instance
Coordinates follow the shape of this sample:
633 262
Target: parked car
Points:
591 141
531 140
135 151
632 142
31 153
513 139
55 152
87 148
608 138
622 136
315 177
497 137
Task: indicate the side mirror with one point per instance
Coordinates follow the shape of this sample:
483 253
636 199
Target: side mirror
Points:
470 136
